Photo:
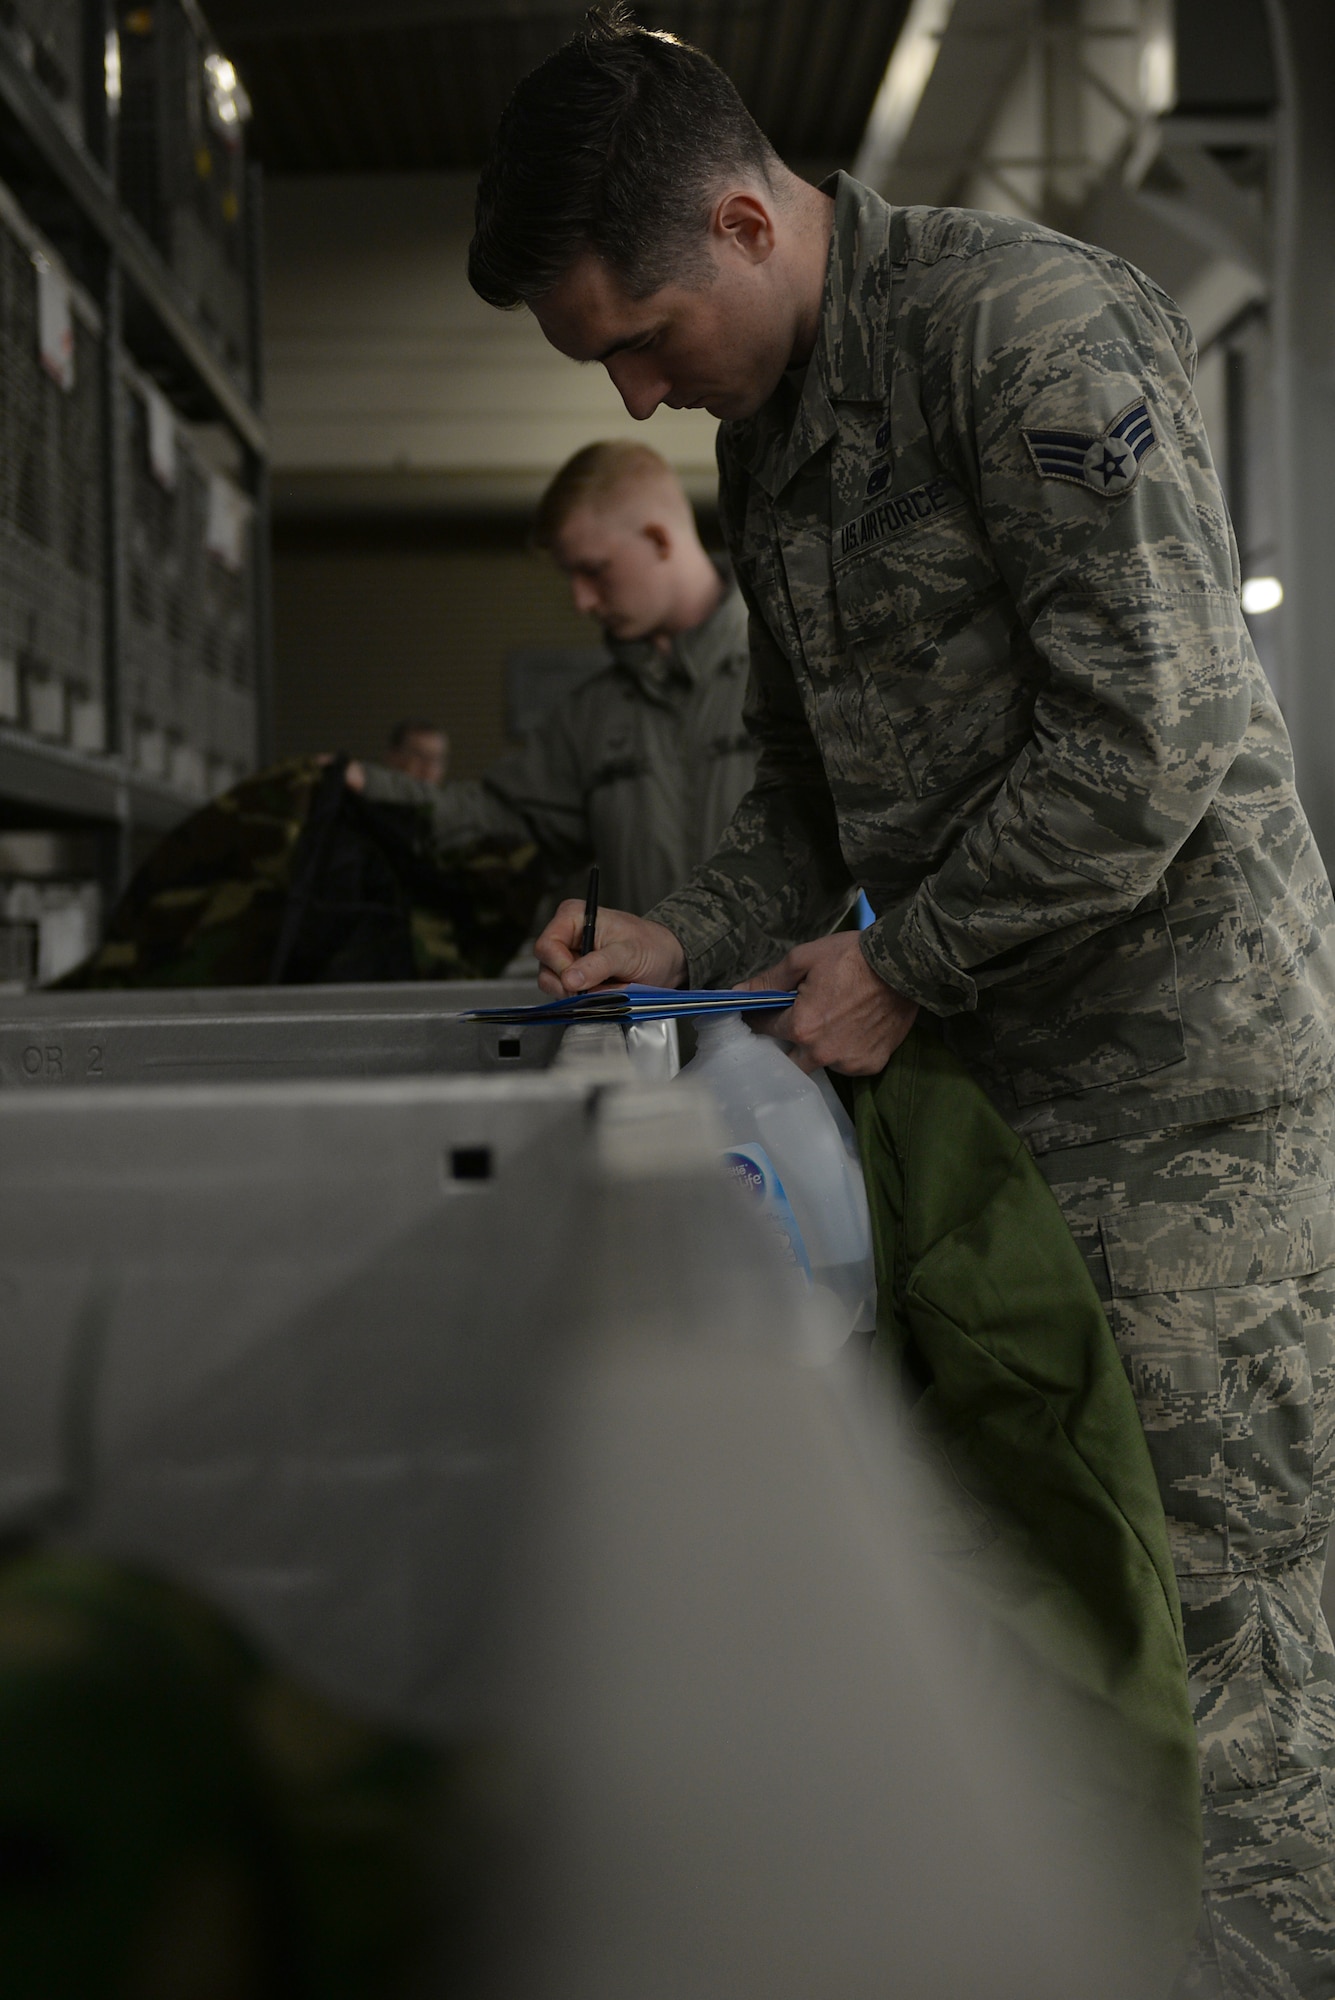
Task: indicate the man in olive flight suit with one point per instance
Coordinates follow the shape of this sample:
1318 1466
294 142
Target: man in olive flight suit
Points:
1000 677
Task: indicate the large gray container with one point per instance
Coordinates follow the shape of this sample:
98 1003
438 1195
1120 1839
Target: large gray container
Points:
769 1745
273 1342
289 1344
240 1034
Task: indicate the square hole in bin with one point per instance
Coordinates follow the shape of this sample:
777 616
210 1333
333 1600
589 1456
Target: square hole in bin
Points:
509 1048
470 1163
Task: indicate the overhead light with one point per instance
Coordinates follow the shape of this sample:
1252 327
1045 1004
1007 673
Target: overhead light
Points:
227 93
1158 57
1158 75
1261 594
111 66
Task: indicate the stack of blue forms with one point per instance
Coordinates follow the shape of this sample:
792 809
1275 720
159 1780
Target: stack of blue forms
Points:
636 1003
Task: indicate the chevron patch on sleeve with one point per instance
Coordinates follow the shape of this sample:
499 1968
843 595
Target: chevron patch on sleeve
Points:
1108 461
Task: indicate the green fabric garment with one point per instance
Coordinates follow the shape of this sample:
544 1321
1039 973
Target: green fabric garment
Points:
990 1318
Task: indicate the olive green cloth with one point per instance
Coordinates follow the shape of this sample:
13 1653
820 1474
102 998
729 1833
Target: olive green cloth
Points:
989 1316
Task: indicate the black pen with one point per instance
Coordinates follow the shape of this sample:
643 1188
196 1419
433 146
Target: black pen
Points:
587 938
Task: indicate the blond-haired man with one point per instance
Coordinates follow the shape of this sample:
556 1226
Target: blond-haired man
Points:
641 767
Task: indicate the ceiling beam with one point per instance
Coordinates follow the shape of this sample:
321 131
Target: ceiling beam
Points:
267 20
903 86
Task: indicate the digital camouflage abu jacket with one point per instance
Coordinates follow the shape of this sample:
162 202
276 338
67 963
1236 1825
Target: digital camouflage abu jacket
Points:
1001 680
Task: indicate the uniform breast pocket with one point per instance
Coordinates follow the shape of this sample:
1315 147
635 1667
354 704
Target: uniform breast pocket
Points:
962 705
958 695
930 624
628 770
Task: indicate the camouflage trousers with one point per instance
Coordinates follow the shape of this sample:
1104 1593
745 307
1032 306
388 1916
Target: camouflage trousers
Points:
1213 1248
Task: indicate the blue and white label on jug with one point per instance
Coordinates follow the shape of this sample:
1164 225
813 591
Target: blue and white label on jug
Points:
753 1171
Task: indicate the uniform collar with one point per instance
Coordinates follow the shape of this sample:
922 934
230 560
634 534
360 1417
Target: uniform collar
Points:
696 655
848 362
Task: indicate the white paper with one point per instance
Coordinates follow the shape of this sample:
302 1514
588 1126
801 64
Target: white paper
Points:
185 770
228 518
150 752
161 437
55 323
46 707
88 725
66 933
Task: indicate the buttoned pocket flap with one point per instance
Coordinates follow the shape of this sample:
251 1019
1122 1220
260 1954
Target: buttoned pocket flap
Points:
1107 1013
1243 1240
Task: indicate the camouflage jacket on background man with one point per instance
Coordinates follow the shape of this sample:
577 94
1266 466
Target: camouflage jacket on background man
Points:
1001 679
639 769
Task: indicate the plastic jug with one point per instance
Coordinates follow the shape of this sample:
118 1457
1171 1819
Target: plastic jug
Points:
786 1150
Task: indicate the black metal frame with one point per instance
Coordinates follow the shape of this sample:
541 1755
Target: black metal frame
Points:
70 192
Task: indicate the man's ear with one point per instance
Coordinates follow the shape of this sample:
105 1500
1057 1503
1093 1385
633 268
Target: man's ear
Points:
744 221
657 534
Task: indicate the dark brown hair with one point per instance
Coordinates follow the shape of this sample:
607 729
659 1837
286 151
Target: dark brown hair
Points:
615 144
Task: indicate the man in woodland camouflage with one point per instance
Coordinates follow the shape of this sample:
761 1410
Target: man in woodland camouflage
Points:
1001 679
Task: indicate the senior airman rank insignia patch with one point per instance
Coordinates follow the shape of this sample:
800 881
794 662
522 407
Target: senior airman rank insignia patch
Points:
1109 462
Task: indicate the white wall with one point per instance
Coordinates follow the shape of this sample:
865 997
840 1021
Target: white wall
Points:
388 378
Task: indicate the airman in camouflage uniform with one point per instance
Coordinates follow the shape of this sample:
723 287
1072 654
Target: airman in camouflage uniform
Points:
1000 678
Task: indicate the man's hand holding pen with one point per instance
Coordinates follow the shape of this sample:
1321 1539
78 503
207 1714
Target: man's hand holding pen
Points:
845 1017
625 948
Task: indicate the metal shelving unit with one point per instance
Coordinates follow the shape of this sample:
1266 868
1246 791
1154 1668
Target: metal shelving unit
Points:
66 186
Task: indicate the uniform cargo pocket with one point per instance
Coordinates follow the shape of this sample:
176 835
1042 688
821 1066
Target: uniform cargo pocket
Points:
1236 1288
1230 1240
1108 1014
1262 1834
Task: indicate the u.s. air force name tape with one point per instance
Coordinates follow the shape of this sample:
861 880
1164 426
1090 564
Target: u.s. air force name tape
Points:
893 515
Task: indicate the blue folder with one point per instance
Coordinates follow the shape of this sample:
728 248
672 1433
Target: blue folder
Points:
637 1003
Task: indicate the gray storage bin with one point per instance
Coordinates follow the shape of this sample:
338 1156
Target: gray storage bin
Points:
221 1035
190 628
51 516
47 37
274 1343
183 171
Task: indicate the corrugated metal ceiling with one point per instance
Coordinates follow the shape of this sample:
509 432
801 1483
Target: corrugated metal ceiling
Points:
364 86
